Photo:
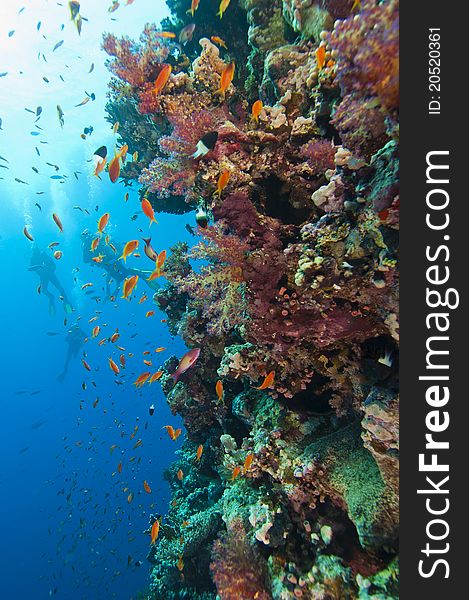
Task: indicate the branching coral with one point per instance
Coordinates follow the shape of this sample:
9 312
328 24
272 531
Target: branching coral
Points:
236 568
217 290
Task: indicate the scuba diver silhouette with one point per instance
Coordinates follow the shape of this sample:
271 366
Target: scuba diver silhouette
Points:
75 339
111 264
43 265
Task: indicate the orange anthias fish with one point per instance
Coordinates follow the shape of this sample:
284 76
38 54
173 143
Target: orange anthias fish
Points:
130 497
155 376
98 259
128 249
173 433
198 453
95 243
95 331
223 6
219 390
148 210
268 381
226 78
146 487
186 362
141 379
115 336
150 313
58 254
159 265
321 57
162 79
58 222
155 528
119 467
100 164
86 365
180 475
114 367
122 360
129 286
256 110
114 168
248 462
169 35
217 40
236 472
194 7
160 349
180 563
103 221
222 183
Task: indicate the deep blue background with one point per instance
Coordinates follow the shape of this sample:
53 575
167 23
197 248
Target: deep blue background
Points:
50 449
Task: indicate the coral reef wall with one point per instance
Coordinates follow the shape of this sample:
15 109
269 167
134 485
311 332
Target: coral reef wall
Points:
287 482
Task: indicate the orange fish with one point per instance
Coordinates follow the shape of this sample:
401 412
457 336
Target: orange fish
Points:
150 313
169 35
27 234
128 249
180 563
115 127
268 381
86 285
320 57
160 349
130 497
58 222
148 210
146 487
248 462
94 244
148 363
129 286
115 336
114 367
219 390
58 254
142 299
256 110
122 153
95 331
236 472
95 403
198 453
226 78
103 221
119 467
138 443
114 168
173 433
159 265
141 379
86 365
180 474
155 528
223 6
162 79
100 164
194 7
222 183
122 360
217 40
155 376
186 362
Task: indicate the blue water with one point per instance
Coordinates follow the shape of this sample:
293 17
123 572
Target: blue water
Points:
67 528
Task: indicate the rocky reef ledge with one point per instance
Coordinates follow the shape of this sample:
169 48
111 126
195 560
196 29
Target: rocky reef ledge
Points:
295 494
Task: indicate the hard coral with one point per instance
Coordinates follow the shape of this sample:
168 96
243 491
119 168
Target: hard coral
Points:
237 569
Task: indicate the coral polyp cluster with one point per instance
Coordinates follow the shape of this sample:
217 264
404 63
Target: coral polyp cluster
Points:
291 293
